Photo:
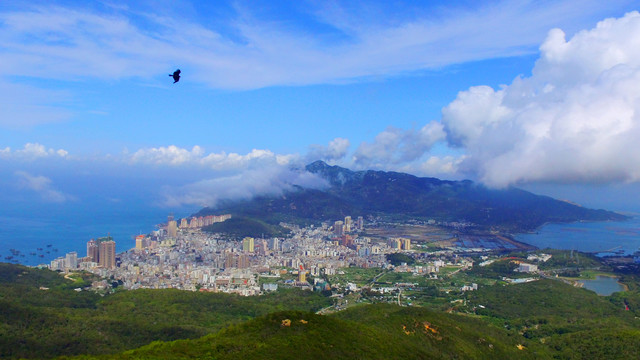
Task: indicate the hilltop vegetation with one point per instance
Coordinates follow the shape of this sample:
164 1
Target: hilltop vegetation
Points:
545 319
239 227
574 322
38 323
371 332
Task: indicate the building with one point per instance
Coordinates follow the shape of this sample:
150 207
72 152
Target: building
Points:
107 251
248 244
405 243
93 250
172 229
302 275
338 228
347 223
140 242
360 223
71 260
529 268
274 244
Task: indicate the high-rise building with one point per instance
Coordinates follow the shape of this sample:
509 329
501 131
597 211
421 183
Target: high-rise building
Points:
243 262
184 223
71 260
274 244
107 254
347 223
338 228
172 229
230 261
247 244
93 251
360 223
140 242
302 275
406 243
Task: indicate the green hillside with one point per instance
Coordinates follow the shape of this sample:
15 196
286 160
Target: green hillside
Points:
369 332
42 316
240 227
39 323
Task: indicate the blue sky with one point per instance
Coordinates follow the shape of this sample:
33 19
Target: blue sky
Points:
535 94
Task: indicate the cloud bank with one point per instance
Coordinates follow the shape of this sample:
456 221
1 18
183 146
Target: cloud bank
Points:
575 119
32 151
396 146
268 180
174 176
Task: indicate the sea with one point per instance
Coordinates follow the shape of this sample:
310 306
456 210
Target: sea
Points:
33 235
36 235
602 238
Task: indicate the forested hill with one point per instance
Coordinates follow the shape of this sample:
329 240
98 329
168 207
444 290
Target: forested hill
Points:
404 196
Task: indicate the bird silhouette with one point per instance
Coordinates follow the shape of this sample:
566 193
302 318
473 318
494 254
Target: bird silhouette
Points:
176 76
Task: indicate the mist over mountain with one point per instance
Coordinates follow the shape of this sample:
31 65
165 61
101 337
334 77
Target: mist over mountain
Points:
401 196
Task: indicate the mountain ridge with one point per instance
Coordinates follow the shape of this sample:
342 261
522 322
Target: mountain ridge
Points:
399 196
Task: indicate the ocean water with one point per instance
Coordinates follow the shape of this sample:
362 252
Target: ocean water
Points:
57 230
604 238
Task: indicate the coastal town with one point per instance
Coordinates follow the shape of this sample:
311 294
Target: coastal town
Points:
182 255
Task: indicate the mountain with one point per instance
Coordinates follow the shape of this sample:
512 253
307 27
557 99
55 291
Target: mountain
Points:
403 196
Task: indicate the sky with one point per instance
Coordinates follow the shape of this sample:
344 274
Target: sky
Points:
542 95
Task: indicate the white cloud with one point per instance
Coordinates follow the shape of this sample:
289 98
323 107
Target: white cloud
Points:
33 151
176 156
43 186
334 151
396 146
170 155
576 119
266 180
221 161
250 50
435 166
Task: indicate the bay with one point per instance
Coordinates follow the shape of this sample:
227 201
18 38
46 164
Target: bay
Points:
38 235
604 238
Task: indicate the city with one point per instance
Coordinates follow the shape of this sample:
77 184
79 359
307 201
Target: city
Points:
186 257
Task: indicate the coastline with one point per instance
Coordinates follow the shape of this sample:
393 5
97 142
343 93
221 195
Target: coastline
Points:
596 237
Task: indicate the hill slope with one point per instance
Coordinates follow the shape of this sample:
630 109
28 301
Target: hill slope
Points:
240 227
40 323
403 333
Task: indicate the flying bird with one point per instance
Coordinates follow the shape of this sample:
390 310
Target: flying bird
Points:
176 76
